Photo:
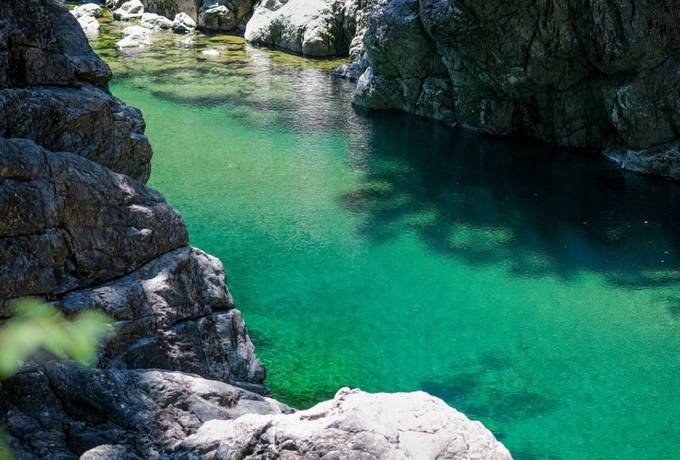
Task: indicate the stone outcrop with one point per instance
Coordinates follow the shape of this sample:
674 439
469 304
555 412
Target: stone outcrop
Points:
314 28
132 9
55 410
352 425
593 75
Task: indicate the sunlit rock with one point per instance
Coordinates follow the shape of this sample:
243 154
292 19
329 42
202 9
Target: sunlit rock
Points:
354 424
89 9
155 22
129 10
183 24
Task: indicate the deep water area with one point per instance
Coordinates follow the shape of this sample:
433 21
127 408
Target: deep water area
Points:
534 289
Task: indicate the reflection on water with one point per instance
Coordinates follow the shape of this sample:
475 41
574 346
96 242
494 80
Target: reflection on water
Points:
542 209
534 289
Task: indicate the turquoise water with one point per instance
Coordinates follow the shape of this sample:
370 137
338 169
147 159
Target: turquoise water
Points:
533 289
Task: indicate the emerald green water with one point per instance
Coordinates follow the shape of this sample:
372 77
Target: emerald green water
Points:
533 289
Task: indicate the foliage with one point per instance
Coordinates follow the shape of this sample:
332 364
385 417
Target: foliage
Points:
39 325
5 453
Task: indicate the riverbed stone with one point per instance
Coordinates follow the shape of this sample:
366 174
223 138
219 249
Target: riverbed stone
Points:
88 9
183 24
155 22
131 9
90 25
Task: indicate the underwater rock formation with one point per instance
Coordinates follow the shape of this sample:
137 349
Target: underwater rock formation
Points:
585 74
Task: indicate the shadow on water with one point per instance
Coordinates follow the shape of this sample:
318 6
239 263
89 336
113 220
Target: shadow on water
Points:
542 209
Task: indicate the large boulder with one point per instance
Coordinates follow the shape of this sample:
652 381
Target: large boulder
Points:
308 27
183 24
132 9
155 22
354 424
88 9
577 73
55 410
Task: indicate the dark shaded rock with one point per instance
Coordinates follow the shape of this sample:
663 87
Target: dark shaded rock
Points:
583 74
55 410
53 90
175 313
71 223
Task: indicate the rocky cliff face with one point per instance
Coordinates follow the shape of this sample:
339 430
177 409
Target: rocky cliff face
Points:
81 230
587 74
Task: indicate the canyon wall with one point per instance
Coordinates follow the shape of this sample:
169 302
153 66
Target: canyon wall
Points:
588 74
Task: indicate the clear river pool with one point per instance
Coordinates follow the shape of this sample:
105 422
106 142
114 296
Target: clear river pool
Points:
534 289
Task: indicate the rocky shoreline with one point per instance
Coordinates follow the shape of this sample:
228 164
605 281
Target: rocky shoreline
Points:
82 231
590 76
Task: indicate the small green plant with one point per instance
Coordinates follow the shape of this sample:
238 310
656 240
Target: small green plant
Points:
38 325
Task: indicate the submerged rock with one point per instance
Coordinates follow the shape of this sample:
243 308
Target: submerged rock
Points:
352 425
580 74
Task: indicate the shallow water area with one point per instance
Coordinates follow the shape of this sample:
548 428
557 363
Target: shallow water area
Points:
534 289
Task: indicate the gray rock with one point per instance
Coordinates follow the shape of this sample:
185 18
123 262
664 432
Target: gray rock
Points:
114 414
155 22
354 424
135 37
88 9
183 24
171 8
73 239
183 322
580 74
89 25
131 9
308 27
87 121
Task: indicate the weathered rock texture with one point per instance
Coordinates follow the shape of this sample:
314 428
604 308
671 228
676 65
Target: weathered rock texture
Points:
310 27
354 425
57 411
587 74
54 91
